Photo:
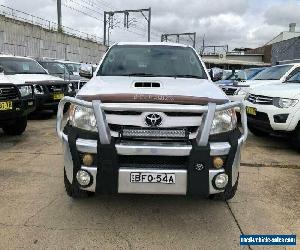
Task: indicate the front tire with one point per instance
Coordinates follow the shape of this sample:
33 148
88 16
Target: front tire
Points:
257 132
296 139
17 128
73 190
228 194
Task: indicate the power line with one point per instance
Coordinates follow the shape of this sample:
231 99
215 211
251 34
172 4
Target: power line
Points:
80 5
80 11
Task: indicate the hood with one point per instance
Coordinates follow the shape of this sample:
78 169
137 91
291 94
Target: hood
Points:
4 79
284 90
23 78
255 83
170 90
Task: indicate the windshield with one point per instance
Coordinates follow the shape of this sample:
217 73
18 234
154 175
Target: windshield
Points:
14 65
245 74
74 67
226 75
273 73
295 78
250 73
168 61
54 67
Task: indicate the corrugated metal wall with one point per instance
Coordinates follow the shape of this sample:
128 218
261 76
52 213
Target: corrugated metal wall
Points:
286 50
24 39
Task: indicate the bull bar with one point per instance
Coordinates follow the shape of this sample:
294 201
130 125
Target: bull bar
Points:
104 131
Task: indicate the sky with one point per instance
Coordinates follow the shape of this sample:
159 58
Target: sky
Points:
237 23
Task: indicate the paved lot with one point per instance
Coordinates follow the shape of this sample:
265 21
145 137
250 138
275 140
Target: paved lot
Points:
36 213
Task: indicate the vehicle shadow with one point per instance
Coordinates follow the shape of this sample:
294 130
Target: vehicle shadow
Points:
41 115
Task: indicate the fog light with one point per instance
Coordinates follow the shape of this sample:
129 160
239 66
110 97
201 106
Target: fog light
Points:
83 178
87 160
221 180
218 162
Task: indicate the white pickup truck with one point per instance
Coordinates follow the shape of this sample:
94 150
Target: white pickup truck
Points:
271 75
151 121
49 90
276 109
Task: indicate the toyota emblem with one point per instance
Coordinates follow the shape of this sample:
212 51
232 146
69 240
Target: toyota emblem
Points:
153 120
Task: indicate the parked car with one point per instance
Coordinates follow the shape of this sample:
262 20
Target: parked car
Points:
16 102
275 109
49 90
271 75
59 69
74 69
151 121
236 76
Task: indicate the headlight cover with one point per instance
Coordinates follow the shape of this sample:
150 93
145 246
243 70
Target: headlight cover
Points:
284 102
82 118
224 121
25 91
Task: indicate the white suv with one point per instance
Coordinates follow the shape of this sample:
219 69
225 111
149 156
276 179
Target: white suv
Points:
271 75
275 109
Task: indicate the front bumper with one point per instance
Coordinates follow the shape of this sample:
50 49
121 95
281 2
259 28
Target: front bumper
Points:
267 118
46 101
110 175
20 108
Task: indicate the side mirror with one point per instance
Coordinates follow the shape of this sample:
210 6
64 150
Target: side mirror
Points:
1 69
86 71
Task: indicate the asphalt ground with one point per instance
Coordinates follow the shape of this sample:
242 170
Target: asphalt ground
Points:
35 211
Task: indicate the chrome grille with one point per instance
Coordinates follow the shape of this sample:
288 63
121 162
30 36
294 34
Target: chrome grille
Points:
259 99
135 122
229 91
8 93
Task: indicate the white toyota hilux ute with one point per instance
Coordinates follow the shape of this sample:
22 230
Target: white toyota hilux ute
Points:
275 109
48 89
271 75
16 102
151 121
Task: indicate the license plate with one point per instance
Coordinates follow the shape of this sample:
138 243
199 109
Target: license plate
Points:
6 105
251 110
58 96
144 177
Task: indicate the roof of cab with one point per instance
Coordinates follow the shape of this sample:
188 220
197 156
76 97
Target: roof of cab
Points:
153 44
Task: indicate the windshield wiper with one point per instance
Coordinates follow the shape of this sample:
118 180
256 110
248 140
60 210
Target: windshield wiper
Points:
139 74
187 76
26 72
293 81
266 79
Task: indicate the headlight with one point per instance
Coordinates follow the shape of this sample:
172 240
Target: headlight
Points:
83 118
25 91
224 121
284 102
38 89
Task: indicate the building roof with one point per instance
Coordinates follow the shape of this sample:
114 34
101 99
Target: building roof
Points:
285 35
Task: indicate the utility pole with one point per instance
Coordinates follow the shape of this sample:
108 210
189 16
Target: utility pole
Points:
191 35
108 19
59 26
